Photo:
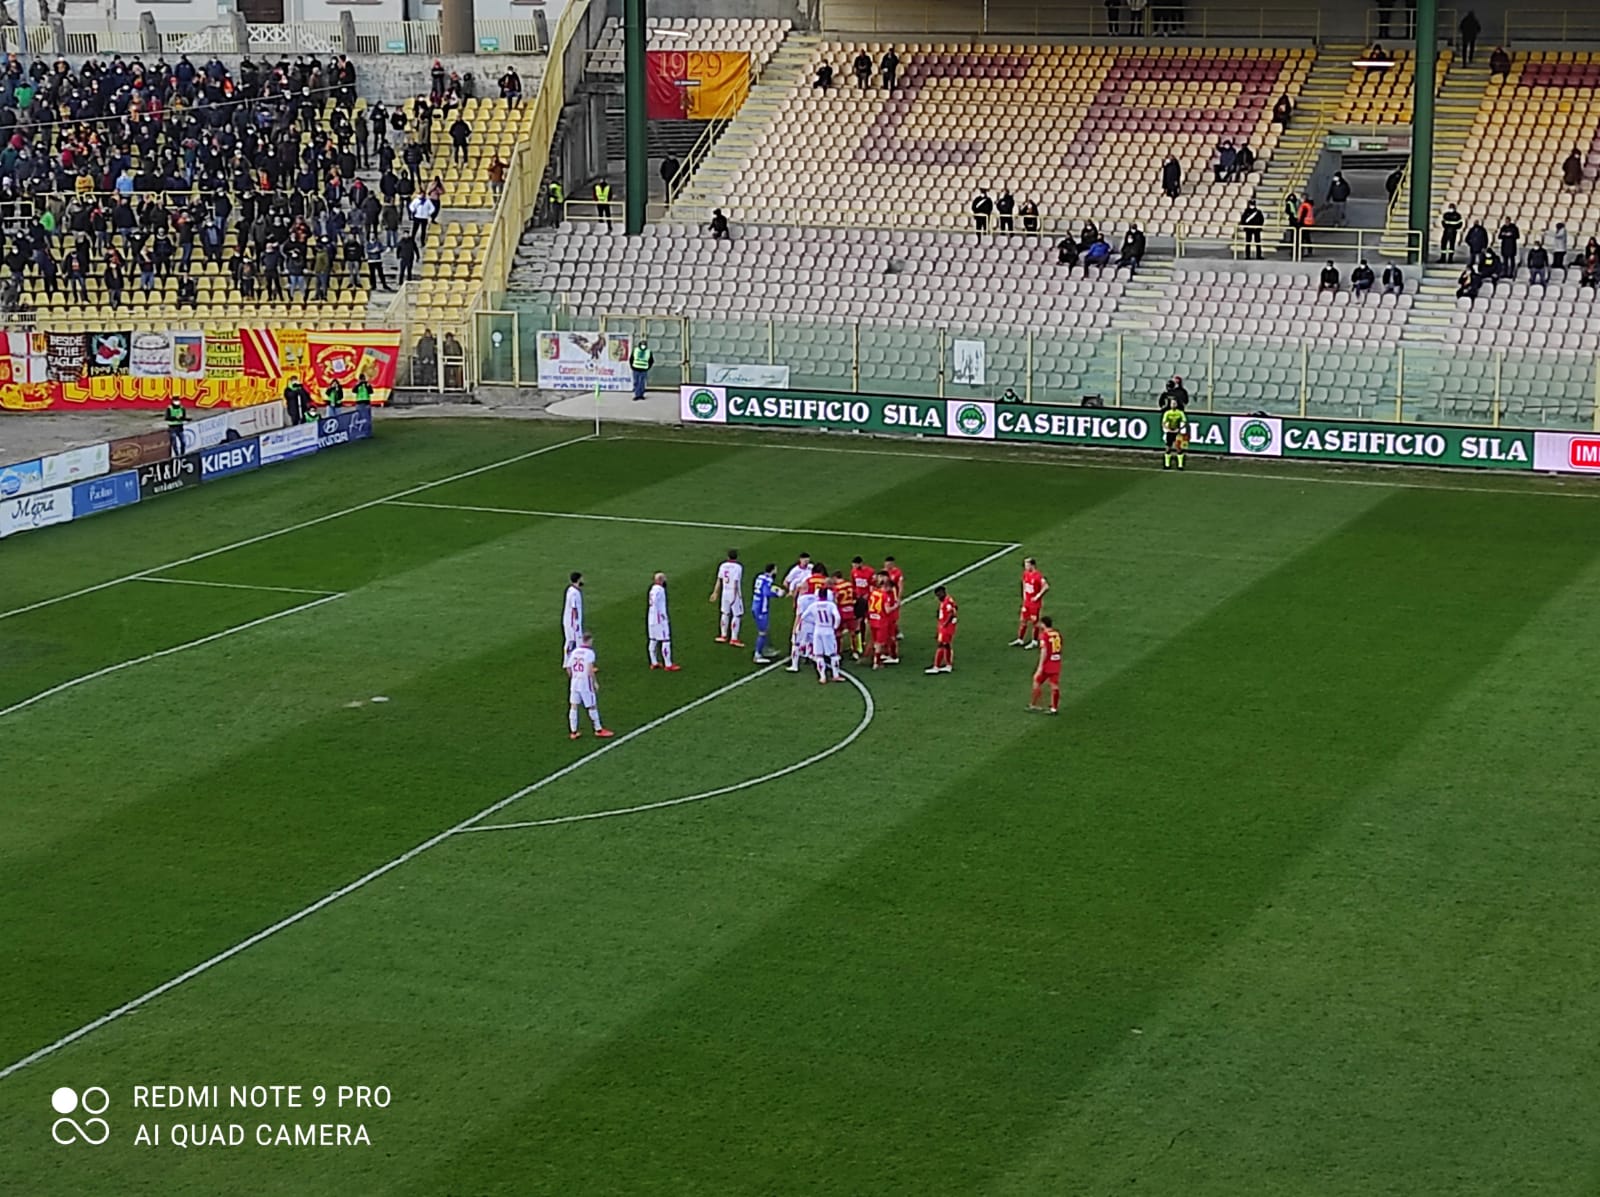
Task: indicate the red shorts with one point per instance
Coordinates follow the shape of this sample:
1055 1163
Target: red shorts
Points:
847 620
880 633
947 637
1030 611
1048 674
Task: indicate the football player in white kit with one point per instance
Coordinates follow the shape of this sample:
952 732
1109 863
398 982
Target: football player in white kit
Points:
805 603
794 582
583 687
571 617
825 620
658 628
729 587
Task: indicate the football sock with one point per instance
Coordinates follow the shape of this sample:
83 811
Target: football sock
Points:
666 652
572 718
761 644
594 718
1034 701
724 627
653 660
734 634
1055 700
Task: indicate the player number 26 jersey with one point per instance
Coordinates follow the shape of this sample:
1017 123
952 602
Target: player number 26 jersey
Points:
581 666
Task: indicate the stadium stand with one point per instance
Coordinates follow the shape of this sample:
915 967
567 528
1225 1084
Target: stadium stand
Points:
1383 96
1278 308
968 116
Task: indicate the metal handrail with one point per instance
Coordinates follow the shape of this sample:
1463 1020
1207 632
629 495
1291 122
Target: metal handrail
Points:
707 141
1037 18
1551 25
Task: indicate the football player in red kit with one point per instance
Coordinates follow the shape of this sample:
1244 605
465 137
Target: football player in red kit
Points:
897 591
1049 671
944 652
1034 588
861 583
844 593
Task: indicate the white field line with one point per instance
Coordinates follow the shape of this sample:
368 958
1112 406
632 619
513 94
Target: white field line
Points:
320 519
640 519
410 854
1077 462
866 719
234 585
165 652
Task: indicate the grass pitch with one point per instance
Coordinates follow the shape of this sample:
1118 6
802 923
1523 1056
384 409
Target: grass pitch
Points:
1297 895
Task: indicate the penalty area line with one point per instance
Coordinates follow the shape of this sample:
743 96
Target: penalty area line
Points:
665 523
322 903
868 712
165 652
310 523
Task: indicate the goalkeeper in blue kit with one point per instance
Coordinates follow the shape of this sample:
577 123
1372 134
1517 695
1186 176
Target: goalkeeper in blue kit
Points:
761 609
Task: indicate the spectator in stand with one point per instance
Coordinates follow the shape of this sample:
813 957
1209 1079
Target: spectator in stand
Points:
1380 60
1361 278
406 254
422 212
1449 232
1097 255
1572 171
1175 395
1282 110
1132 249
1136 16
1252 222
1067 253
1538 266
1392 181
1499 63
1477 243
1467 284
1030 216
824 79
1394 280
1227 155
888 66
511 87
982 206
460 132
719 225
1088 235
188 292
1307 213
1005 207
425 361
1590 276
670 166
1244 161
497 175
863 70
1470 29
1330 278
1291 210
1510 237
376 277
1555 244
1488 267
1114 17
1338 196
1171 177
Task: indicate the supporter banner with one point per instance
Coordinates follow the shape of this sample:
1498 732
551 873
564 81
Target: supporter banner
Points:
132 452
102 494
218 369
21 478
581 361
173 474
698 85
288 442
1567 452
1392 444
719 375
109 352
36 511
61 468
67 355
234 457
351 424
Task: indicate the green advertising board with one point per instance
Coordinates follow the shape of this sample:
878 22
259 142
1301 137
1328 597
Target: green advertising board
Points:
1110 428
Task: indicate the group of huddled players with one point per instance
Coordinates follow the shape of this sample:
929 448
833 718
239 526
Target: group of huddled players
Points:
855 611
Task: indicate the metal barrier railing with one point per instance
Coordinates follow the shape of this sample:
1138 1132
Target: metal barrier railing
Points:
1037 18
1532 25
1397 23
1402 382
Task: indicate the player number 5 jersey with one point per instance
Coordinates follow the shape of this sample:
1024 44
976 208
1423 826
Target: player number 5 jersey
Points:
731 576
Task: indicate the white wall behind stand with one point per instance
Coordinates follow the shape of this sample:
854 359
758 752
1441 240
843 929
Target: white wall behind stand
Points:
329 10
491 10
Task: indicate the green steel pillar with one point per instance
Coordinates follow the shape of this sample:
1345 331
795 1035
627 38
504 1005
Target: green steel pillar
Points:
1422 122
638 179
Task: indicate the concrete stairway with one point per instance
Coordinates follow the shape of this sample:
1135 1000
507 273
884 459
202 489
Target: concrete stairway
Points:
1319 96
1456 109
790 65
1436 300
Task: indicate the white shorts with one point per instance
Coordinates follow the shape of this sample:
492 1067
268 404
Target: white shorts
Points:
580 696
732 604
660 631
824 644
